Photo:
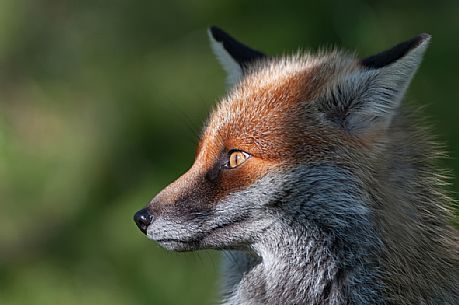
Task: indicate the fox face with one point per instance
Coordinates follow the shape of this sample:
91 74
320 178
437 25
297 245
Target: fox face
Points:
294 139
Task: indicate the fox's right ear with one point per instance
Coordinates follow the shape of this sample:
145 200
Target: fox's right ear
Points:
234 56
367 100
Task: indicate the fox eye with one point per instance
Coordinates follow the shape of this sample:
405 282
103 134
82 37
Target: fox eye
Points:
236 158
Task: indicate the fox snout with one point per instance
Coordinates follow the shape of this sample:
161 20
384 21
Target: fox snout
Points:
181 214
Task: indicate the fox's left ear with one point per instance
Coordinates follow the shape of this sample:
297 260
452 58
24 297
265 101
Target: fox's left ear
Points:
368 99
234 56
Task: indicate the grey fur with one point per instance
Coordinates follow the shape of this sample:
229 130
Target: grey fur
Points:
298 263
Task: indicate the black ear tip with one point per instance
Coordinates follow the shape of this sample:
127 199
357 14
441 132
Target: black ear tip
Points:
395 53
241 53
414 42
217 33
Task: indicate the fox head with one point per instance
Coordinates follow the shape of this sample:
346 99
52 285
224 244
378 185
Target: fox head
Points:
293 141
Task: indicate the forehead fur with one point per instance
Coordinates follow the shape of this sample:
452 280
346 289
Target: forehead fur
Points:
255 111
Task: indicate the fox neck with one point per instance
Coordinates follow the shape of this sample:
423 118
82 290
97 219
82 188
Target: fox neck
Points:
305 265
295 266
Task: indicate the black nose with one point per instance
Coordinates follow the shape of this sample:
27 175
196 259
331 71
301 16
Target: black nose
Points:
143 219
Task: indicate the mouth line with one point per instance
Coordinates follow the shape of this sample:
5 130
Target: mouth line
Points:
194 243
172 240
178 245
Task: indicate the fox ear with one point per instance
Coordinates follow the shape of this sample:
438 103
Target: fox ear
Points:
234 56
369 98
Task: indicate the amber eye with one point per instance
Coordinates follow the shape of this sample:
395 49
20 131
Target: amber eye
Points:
236 158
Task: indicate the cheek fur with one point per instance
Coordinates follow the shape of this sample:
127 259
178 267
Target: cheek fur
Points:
242 177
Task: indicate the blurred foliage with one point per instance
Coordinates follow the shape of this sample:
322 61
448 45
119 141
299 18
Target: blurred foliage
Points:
101 103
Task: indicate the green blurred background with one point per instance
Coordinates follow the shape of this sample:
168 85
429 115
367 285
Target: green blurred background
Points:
100 106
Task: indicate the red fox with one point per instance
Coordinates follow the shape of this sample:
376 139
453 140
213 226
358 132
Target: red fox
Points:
320 187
